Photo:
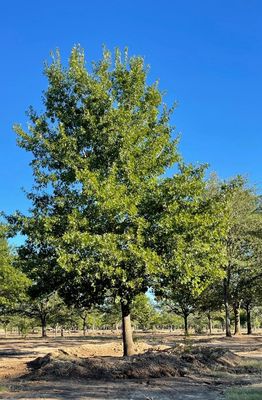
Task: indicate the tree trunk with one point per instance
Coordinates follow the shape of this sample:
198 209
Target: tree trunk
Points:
236 307
222 325
84 325
249 326
62 332
128 344
209 317
43 326
186 324
226 304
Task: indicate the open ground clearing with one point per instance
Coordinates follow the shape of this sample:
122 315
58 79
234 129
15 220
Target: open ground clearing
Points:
168 367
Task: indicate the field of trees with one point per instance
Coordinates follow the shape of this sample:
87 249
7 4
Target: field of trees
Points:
116 246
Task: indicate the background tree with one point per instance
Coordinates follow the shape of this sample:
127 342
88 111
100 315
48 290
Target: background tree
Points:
165 318
210 302
186 229
181 300
62 317
42 308
143 311
13 283
242 244
251 295
111 314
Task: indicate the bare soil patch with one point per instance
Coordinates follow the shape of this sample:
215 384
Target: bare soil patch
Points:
165 367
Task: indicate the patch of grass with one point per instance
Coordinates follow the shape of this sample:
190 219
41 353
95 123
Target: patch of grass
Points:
3 388
253 363
221 374
244 394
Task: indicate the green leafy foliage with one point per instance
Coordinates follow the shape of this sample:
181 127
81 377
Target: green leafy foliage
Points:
13 283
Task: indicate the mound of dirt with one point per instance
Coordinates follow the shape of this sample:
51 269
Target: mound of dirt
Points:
154 363
106 349
213 357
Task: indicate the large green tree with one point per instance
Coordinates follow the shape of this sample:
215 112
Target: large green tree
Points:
101 143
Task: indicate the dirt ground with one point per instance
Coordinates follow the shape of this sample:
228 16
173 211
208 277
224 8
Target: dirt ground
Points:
161 371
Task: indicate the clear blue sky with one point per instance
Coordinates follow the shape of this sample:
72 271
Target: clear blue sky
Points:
207 55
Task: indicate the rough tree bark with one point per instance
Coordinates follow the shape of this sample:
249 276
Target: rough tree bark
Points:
249 325
236 308
84 318
226 304
128 344
43 325
185 316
